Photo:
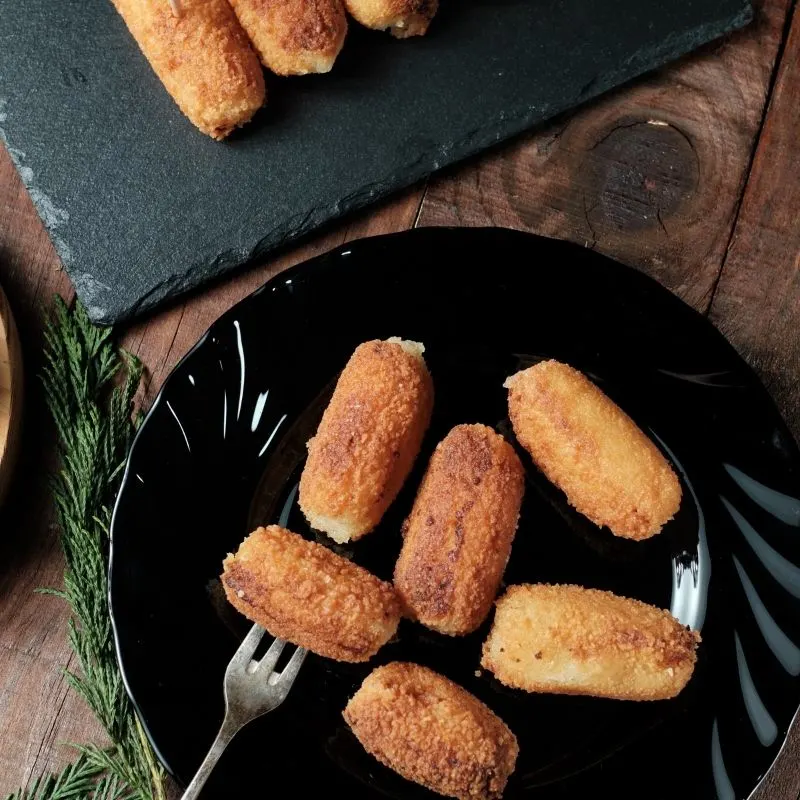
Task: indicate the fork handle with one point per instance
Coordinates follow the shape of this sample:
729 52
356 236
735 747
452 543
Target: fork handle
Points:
226 733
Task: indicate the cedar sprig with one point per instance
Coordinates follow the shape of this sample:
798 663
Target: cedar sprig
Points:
90 385
77 780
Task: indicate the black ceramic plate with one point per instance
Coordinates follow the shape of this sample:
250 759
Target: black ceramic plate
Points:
223 447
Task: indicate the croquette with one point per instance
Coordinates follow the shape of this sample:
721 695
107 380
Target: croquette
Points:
294 37
403 18
433 732
457 540
303 592
572 640
590 449
203 57
368 439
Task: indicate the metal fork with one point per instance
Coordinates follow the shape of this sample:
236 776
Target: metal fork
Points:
252 688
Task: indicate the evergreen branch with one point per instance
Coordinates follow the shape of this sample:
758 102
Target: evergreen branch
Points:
109 788
76 781
90 385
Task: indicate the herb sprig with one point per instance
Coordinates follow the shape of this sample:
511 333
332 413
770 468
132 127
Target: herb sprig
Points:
90 385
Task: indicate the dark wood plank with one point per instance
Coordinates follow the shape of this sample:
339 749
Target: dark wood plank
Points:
38 713
757 301
651 174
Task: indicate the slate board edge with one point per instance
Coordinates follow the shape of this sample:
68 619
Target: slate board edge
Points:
643 62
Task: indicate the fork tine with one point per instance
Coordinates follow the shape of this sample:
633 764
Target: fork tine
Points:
248 695
272 655
289 672
242 656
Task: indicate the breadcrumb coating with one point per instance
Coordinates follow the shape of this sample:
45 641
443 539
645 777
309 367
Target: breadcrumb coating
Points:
403 18
294 37
572 640
432 731
458 537
368 438
588 447
304 593
202 56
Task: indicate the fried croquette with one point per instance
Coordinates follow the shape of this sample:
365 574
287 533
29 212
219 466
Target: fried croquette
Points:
588 447
202 55
368 438
304 593
403 18
572 640
457 540
294 37
432 731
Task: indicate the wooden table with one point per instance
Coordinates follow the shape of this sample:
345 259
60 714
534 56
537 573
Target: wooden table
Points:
692 175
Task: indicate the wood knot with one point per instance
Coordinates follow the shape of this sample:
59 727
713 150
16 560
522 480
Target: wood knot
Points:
637 175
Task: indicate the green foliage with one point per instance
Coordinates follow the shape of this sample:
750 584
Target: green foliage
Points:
78 780
90 385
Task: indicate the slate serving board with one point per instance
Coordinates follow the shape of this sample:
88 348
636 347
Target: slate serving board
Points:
141 206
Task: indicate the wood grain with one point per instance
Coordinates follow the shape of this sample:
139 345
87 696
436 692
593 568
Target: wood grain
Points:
650 174
757 301
38 712
10 394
